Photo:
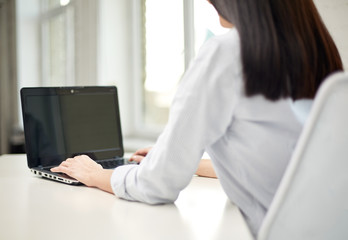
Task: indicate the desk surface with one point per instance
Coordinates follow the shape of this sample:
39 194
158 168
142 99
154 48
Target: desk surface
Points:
34 208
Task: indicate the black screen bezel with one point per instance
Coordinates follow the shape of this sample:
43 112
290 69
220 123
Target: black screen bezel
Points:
57 91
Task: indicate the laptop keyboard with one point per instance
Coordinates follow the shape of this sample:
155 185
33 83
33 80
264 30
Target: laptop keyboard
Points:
111 163
107 164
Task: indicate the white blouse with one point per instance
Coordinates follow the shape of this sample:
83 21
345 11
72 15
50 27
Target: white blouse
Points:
249 139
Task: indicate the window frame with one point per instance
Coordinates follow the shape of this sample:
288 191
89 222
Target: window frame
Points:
139 130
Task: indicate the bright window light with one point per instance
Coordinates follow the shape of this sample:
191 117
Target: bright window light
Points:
64 2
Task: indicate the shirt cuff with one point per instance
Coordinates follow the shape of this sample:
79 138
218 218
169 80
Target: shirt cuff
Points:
118 181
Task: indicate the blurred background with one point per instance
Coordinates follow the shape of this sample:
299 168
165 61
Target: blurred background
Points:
141 46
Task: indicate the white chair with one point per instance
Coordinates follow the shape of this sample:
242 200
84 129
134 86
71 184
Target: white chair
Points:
312 199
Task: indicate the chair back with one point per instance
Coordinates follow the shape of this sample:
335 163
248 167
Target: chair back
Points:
312 199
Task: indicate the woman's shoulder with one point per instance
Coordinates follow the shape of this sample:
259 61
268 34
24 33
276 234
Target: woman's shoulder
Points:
220 49
217 64
223 50
227 41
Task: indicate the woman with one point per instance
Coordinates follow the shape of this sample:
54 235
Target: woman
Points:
238 102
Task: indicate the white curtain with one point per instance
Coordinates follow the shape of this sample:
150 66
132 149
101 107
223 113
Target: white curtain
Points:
8 74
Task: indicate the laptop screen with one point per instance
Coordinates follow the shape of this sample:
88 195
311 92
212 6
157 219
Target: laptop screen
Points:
65 122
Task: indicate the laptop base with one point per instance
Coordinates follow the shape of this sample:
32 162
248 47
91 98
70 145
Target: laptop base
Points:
60 177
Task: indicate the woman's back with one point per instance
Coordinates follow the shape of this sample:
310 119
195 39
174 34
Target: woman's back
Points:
251 154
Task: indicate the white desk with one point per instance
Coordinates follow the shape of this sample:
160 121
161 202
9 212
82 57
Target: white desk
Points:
35 208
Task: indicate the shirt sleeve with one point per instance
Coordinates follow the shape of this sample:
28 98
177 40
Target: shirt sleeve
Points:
200 114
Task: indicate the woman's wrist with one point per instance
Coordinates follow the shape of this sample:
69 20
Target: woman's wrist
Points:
101 179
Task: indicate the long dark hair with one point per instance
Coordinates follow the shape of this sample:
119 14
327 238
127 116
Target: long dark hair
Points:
286 49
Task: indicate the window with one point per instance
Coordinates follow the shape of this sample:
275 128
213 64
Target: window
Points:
173 32
164 57
57 48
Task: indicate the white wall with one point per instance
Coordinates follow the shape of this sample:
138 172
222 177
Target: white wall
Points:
335 16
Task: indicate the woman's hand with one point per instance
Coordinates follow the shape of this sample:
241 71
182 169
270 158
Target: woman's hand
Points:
139 155
206 169
87 171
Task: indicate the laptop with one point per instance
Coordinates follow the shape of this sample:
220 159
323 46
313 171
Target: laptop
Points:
63 122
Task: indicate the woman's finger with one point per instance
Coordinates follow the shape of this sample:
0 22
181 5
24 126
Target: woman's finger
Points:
137 158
